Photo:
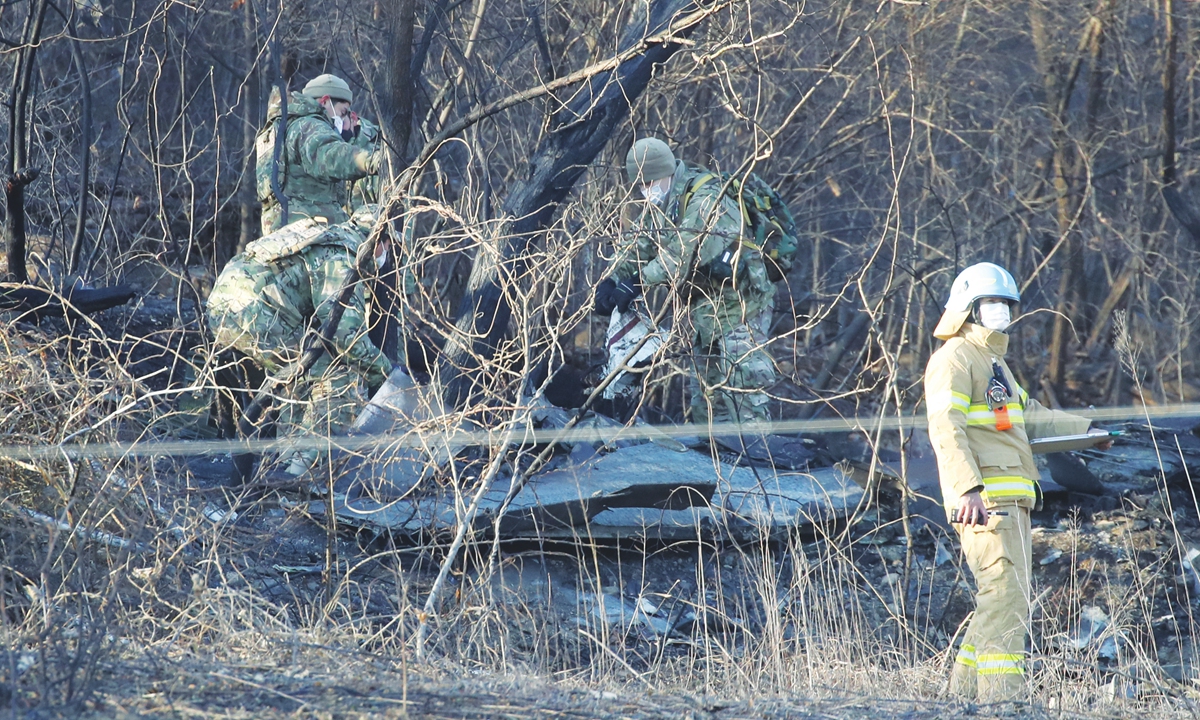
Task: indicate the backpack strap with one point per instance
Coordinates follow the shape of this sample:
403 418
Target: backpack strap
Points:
693 185
740 190
737 191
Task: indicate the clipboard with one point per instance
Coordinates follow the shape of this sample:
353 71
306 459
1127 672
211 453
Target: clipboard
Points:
1067 443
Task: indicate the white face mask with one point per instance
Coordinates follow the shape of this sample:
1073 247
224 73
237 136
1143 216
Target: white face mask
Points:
655 192
337 123
995 315
381 256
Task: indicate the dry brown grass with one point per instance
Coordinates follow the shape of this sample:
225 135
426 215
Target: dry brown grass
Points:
190 617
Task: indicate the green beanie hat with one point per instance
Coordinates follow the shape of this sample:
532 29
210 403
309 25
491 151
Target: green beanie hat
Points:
330 85
648 160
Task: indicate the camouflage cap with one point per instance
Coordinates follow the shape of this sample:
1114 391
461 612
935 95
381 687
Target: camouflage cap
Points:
648 160
330 85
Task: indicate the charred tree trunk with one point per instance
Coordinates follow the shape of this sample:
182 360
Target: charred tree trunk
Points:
249 227
560 159
397 126
19 176
434 15
75 302
397 129
1168 85
85 152
1181 208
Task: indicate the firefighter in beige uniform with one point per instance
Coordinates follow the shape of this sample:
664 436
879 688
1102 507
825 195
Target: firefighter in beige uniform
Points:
980 424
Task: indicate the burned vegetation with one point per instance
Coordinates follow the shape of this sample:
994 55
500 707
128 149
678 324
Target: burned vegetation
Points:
524 521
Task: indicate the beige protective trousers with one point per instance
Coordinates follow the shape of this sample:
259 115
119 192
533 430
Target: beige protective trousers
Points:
990 666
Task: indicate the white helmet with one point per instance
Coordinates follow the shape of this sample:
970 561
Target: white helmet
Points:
979 281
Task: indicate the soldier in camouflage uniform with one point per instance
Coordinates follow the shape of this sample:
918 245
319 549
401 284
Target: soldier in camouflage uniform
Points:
317 160
284 284
687 234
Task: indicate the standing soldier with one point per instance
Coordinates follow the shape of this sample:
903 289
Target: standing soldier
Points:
687 233
317 160
274 292
980 424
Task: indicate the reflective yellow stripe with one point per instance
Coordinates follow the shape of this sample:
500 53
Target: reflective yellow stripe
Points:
984 407
1000 664
947 401
999 671
983 415
1015 658
966 655
1008 486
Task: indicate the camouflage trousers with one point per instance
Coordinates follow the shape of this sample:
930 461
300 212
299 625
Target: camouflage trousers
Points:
327 402
733 371
322 404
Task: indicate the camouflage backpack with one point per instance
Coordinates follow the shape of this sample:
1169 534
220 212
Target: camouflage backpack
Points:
768 220
293 238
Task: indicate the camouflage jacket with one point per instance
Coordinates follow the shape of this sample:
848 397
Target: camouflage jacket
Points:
314 167
663 245
269 294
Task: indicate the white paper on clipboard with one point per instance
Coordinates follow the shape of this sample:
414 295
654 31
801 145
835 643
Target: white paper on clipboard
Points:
1066 443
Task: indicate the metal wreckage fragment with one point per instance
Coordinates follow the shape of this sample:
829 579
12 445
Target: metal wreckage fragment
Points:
655 487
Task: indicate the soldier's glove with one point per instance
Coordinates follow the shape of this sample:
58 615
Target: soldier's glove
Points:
369 162
604 297
625 293
613 295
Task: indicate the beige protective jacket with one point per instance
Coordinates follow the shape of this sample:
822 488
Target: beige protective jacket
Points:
971 452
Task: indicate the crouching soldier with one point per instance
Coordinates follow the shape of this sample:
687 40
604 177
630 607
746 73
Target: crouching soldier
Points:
980 424
283 286
686 232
